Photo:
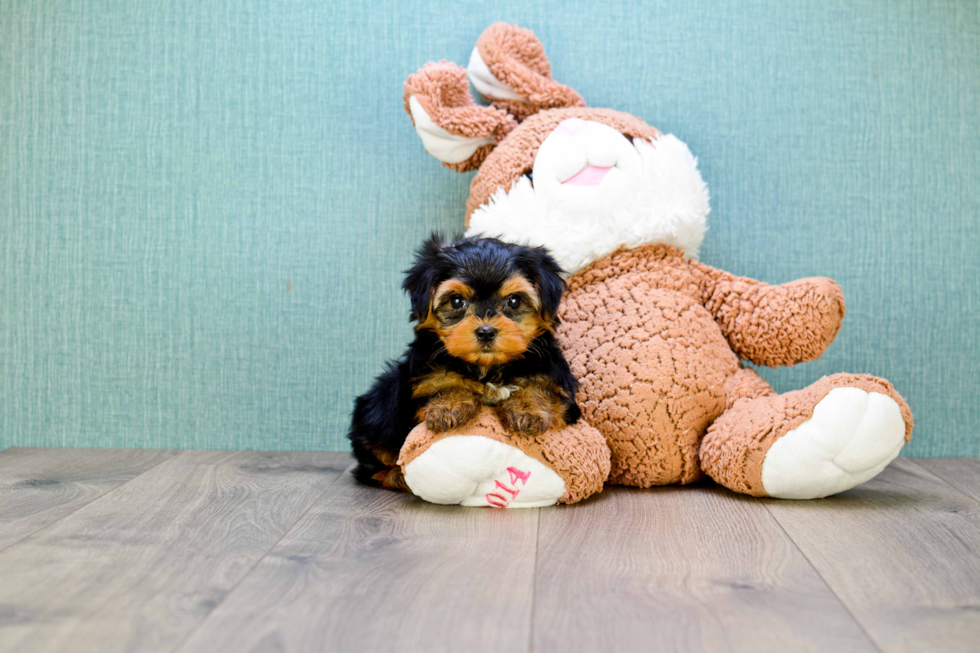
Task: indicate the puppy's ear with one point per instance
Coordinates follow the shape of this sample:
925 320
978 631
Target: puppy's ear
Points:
420 279
544 272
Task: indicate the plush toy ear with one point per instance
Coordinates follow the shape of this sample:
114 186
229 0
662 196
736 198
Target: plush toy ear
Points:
453 128
420 279
511 71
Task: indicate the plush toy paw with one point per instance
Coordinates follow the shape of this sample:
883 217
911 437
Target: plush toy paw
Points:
852 435
483 464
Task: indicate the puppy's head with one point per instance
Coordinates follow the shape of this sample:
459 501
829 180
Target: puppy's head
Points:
486 300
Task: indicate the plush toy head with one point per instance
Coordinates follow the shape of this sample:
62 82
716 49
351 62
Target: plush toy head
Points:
552 172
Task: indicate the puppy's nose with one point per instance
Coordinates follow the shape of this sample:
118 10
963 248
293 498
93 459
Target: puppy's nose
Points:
486 333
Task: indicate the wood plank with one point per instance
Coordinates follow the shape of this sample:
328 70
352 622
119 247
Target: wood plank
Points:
680 569
139 568
961 473
40 486
374 570
902 552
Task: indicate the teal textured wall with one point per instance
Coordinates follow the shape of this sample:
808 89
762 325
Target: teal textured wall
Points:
204 206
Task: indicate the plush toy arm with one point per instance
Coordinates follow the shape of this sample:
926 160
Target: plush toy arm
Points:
772 325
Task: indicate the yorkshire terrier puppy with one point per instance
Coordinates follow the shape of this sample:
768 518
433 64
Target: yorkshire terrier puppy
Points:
486 313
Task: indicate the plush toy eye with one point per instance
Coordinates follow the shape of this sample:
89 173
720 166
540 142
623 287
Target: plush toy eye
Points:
514 302
457 302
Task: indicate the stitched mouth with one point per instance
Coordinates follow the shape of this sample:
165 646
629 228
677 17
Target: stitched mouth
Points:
587 176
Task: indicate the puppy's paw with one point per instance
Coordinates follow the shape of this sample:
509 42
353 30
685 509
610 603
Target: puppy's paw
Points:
525 421
444 415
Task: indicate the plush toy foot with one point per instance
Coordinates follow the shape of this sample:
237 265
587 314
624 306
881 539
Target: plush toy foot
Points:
851 437
482 464
472 470
832 436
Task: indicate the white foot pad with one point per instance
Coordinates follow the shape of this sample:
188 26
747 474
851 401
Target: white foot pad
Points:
850 438
472 470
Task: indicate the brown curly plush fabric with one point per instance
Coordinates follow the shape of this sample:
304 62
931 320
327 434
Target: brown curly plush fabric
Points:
577 453
516 57
736 444
789 324
653 338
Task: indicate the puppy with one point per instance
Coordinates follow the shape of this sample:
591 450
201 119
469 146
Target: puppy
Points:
486 313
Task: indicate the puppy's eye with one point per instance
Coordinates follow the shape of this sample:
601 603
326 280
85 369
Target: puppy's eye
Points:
457 302
514 302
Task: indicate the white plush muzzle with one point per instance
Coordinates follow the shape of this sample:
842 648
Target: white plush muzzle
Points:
637 193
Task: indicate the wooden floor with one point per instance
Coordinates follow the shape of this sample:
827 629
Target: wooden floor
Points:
194 551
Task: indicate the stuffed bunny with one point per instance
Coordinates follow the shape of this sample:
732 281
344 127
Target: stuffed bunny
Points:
656 337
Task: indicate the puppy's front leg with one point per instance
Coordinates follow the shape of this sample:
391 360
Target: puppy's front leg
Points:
451 408
531 410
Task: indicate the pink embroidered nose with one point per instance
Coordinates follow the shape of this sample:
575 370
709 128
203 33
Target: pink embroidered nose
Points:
571 126
587 176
